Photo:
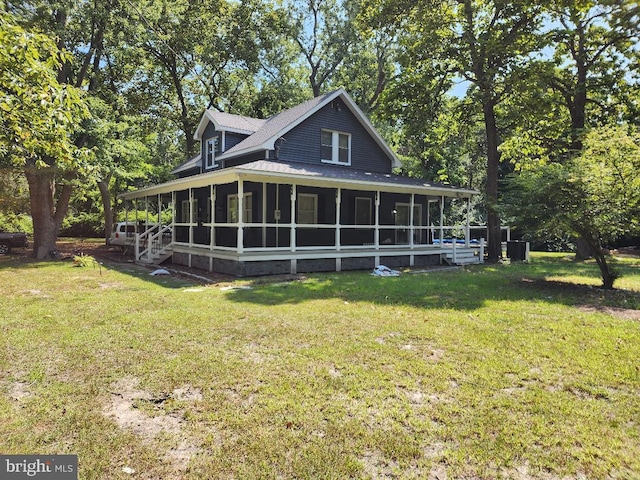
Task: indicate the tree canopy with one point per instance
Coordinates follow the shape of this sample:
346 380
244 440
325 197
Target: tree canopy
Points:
537 78
595 195
39 114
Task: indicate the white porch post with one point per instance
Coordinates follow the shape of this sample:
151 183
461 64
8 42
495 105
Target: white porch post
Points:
467 232
411 220
264 214
292 243
338 202
429 222
441 220
376 236
173 216
190 217
240 244
146 212
212 200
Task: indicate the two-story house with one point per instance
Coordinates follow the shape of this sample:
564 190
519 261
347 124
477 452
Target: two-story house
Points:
309 189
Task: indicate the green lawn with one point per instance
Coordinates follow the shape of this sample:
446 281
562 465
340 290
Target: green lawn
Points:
514 371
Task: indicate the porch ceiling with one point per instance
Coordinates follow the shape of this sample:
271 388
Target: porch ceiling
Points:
303 174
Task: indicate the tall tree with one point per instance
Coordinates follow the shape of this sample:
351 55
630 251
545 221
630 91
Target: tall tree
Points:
593 43
583 81
595 195
484 42
325 34
39 116
369 66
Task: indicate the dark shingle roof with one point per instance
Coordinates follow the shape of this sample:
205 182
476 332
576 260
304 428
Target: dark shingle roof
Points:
275 126
325 172
190 164
237 122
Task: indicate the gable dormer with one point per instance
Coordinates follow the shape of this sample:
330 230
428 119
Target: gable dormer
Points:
329 129
219 132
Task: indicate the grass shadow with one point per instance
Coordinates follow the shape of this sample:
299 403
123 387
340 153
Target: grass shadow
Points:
23 261
464 290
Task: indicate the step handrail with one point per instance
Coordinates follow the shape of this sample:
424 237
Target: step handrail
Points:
155 243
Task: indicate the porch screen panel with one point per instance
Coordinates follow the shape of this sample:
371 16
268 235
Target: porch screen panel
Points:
307 208
363 215
247 208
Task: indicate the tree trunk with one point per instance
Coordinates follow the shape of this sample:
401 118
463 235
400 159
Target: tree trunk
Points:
494 250
608 274
187 126
47 212
583 250
608 277
103 186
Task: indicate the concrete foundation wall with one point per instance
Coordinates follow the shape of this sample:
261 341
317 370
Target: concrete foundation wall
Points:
357 263
396 262
258 269
200 262
180 259
279 267
426 260
317 265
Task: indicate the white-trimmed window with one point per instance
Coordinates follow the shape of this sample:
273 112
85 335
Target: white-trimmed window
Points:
194 211
363 211
307 208
232 208
184 211
211 148
335 147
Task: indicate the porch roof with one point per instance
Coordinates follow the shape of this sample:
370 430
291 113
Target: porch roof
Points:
326 176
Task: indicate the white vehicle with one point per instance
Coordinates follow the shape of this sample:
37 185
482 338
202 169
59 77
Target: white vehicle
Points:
123 234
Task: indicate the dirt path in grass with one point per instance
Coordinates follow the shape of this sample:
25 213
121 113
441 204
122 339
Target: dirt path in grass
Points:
143 414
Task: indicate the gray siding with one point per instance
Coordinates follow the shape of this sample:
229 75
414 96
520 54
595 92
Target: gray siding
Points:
303 142
230 140
188 173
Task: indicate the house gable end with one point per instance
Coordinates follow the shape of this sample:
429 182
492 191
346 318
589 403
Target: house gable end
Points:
296 135
278 126
303 143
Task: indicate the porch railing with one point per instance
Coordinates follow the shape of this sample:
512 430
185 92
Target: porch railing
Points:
153 243
259 236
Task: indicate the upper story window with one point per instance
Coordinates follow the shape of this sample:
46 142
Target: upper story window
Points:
212 148
335 147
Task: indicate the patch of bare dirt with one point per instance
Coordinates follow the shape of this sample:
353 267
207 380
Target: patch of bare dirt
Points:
592 296
377 466
627 251
19 390
123 409
622 313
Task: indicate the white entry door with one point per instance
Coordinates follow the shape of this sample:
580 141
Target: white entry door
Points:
403 219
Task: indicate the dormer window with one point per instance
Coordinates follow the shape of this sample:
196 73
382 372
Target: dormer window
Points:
211 150
335 147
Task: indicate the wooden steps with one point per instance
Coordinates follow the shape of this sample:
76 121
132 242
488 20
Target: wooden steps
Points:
463 256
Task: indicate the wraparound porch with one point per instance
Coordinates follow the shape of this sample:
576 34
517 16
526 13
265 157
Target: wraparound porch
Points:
257 219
